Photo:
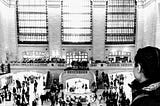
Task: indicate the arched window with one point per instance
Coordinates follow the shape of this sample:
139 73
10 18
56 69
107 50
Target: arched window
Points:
32 21
120 21
76 21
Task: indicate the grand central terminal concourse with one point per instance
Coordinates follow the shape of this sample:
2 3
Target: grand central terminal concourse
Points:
73 52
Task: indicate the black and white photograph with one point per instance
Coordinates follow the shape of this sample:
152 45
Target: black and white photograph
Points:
79 52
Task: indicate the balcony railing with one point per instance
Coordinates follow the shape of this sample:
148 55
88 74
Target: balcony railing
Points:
64 65
112 65
29 64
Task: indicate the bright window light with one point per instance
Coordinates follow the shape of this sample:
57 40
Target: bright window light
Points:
76 16
32 21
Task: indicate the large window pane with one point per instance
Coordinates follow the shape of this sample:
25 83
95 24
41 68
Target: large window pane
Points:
32 21
76 21
120 22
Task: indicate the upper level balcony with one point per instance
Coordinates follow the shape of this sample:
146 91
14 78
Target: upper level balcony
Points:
57 68
110 67
64 64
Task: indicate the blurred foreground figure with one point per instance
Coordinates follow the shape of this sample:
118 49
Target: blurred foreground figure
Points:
146 86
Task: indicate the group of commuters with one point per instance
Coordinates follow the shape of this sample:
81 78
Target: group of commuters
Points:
145 87
5 94
22 92
113 94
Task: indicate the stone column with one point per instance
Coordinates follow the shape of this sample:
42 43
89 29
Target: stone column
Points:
139 25
99 16
12 32
157 39
54 25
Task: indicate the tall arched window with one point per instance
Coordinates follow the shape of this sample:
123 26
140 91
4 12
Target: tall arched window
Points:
32 21
120 22
76 21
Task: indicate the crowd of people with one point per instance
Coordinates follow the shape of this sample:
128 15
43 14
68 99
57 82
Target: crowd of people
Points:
114 94
5 94
145 87
22 90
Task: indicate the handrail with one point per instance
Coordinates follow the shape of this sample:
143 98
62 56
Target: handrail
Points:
112 65
76 71
64 65
29 64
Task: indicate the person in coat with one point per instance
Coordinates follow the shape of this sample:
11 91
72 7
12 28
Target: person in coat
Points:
146 86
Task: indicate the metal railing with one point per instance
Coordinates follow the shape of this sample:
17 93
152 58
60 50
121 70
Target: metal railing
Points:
64 65
112 65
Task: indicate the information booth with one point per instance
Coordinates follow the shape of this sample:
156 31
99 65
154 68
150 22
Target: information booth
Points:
77 85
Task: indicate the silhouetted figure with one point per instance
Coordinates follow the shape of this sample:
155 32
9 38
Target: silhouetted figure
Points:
8 68
42 97
35 86
34 103
70 103
14 90
89 104
2 67
9 94
79 103
52 98
18 85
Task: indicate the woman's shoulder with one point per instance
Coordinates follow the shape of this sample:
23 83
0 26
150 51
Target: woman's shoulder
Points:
146 100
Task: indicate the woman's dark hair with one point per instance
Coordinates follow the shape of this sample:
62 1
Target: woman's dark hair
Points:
149 60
